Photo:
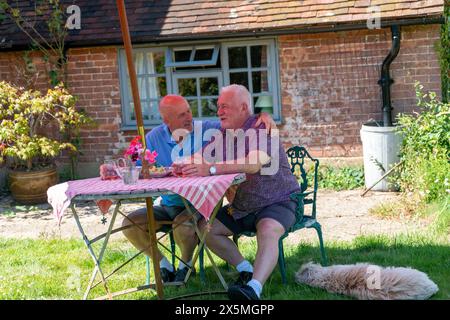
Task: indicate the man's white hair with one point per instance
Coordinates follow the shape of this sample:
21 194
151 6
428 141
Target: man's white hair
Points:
241 93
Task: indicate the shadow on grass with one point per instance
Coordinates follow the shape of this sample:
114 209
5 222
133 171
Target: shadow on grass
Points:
432 259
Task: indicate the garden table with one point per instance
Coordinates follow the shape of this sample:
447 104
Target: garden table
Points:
204 193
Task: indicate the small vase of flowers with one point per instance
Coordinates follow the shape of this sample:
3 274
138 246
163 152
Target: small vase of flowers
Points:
137 155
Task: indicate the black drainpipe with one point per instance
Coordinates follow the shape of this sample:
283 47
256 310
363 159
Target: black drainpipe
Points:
385 80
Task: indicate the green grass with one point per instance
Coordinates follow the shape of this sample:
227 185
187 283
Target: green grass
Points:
48 269
410 208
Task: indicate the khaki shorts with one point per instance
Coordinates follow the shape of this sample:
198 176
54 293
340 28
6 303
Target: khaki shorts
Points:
282 212
166 213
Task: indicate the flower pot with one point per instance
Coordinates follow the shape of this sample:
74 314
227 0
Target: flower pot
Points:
31 187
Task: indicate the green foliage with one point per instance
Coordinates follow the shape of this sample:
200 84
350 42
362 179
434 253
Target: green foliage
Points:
25 114
345 178
50 42
425 151
443 49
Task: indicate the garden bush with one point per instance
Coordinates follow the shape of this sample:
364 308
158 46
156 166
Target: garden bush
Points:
336 178
425 150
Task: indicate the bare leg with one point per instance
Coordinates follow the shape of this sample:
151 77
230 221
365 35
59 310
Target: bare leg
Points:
268 233
137 237
217 240
185 237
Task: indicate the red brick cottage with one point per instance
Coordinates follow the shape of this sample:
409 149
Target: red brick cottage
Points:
318 62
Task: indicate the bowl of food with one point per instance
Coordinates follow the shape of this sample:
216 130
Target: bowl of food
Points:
159 172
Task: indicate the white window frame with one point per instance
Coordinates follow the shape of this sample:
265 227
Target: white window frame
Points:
127 98
223 74
272 70
198 74
192 62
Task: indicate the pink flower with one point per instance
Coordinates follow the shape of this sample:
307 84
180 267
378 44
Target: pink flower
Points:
150 156
135 151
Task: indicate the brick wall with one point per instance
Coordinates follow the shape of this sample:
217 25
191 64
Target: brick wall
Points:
328 88
93 76
329 83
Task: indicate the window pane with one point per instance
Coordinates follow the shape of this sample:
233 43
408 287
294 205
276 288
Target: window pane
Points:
203 54
155 62
142 87
154 113
263 103
237 57
132 114
258 55
194 107
139 63
209 107
187 87
209 87
145 110
239 78
182 55
260 81
157 87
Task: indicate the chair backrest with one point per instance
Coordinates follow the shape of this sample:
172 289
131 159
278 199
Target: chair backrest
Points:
296 156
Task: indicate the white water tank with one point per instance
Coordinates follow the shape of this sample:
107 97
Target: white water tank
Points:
381 148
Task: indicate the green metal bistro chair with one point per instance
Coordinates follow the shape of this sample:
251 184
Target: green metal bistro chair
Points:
296 156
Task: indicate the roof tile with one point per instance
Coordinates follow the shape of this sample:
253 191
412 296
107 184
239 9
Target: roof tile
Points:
150 19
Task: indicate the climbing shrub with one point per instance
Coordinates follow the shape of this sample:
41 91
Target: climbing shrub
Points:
425 150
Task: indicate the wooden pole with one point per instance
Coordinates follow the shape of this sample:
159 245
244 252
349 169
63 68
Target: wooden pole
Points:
384 176
141 132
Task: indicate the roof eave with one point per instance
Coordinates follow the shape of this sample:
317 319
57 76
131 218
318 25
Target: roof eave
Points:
295 29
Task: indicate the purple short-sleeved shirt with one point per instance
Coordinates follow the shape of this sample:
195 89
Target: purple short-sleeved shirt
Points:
272 185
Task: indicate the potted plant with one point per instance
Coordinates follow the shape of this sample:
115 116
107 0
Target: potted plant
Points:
31 125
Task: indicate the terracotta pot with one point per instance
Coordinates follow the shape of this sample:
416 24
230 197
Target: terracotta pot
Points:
31 187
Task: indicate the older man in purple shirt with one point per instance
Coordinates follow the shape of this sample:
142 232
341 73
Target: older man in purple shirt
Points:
261 204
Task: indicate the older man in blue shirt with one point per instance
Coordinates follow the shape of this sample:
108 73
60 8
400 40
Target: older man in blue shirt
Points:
175 134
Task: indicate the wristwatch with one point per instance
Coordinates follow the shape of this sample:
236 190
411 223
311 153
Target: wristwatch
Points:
212 170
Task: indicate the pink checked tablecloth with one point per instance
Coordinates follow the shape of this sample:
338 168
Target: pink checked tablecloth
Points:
202 192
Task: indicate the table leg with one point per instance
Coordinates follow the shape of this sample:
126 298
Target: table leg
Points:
202 238
154 247
97 261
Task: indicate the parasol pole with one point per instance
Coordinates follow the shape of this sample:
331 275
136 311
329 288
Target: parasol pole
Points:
141 132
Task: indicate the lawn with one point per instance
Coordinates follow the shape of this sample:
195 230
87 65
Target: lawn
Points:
60 269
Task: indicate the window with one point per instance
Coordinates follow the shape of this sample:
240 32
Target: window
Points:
201 90
197 72
192 56
253 65
152 83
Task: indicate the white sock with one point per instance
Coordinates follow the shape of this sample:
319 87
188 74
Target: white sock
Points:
182 265
256 285
244 266
164 263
